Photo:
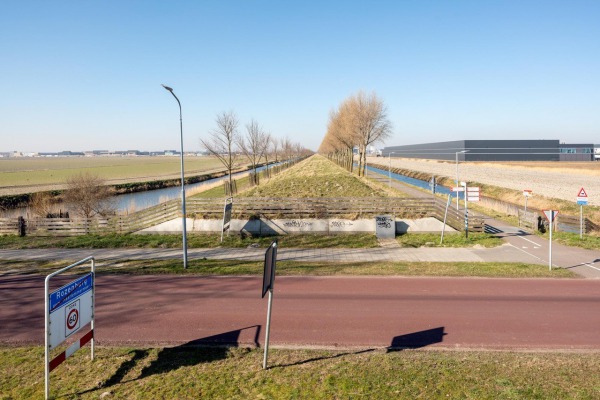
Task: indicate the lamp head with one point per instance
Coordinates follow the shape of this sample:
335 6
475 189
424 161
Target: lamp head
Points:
168 88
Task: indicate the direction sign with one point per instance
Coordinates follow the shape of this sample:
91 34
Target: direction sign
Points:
582 193
582 201
473 193
458 189
550 214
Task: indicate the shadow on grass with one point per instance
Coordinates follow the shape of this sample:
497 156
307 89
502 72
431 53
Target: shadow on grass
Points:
413 340
204 350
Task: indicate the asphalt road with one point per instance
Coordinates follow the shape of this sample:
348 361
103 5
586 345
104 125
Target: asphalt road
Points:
343 312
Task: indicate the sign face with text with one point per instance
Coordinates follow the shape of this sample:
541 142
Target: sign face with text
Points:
70 308
473 193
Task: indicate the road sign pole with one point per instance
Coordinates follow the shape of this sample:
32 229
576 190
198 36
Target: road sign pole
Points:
466 215
525 203
581 222
550 247
266 354
445 218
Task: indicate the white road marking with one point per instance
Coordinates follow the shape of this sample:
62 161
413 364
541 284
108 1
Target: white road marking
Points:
528 253
531 241
591 266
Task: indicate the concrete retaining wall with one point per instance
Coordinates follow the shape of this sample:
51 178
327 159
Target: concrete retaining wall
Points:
287 226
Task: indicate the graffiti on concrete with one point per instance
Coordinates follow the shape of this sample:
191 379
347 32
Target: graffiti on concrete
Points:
297 223
383 222
341 224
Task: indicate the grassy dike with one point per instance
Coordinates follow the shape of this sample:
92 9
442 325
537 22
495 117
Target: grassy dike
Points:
236 373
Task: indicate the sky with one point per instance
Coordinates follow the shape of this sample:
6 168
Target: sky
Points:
86 75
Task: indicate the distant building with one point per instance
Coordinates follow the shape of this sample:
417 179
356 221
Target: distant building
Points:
597 152
495 150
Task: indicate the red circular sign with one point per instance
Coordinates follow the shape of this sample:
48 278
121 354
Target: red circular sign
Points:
72 318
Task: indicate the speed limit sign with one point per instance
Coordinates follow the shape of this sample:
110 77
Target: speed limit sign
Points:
72 318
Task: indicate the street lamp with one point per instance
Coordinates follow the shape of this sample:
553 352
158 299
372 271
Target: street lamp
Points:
390 169
183 217
457 180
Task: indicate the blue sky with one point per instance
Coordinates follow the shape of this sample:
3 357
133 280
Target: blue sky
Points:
86 75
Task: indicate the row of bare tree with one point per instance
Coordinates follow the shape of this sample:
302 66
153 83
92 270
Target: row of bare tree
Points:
360 121
228 145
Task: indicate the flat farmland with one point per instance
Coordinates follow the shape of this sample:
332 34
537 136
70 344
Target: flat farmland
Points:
26 175
553 180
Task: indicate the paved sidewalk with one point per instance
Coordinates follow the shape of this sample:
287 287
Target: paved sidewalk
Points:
505 253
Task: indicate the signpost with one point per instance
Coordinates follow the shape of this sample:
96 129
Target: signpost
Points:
550 216
445 219
67 310
527 193
268 283
226 216
582 200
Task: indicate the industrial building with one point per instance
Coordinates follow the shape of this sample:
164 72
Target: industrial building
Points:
495 150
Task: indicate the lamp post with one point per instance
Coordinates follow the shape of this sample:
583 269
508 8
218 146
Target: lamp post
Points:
457 180
390 168
183 217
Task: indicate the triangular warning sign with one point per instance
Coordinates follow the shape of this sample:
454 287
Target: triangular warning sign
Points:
582 193
550 215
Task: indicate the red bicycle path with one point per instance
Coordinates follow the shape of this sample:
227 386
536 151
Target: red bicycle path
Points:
330 312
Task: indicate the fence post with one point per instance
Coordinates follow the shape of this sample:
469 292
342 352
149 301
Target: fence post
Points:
21 226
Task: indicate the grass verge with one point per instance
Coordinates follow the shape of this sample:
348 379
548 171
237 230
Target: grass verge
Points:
450 240
363 240
296 268
236 373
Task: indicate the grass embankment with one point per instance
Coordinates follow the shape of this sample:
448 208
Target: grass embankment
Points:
316 177
236 373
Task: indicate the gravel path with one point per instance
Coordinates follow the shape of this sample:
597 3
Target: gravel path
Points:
561 184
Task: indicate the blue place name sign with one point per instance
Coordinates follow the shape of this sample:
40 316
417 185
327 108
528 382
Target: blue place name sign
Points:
70 292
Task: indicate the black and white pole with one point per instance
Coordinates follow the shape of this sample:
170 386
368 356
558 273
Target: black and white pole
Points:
581 221
550 247
464 184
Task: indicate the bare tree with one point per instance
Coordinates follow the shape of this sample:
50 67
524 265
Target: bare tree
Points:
286 148
275 146
267 144
41 204
222 141
88 195
252 145
369 123
360 121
